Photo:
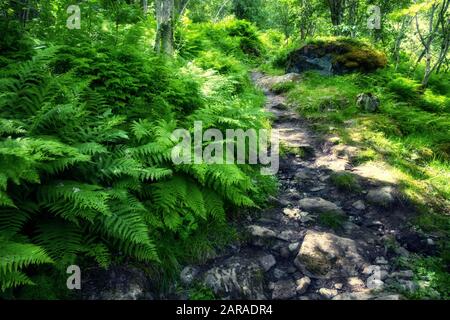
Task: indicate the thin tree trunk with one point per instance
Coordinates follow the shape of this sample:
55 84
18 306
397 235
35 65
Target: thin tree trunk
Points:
164 30
398 43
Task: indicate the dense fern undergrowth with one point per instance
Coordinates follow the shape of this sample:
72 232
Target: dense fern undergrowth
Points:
85 153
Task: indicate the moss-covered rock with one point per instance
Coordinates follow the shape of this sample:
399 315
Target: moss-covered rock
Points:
336 56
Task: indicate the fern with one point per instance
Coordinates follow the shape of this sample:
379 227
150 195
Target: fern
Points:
15 257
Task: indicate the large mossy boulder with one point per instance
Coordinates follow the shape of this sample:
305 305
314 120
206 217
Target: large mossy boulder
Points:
336 57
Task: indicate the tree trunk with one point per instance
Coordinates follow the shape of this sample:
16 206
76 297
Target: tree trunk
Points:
164 31
336 12
398 43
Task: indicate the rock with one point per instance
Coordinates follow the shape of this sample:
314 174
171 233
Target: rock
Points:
267 262
285 253
335 57
279 274
303 285
430 242
293 247
236 278
261 232
354 296
359 205
368 102
407 285
390 297
381 260
292 213
375 270
401 252
405 274
284 290
383 197
188 275
323 255
319 205
317 189
338 286
375 284
328 293
117 283
292 270
286 235
356 284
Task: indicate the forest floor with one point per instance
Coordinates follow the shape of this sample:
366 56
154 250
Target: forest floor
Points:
335 231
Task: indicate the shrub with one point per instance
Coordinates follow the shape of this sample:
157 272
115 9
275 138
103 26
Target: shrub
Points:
85 167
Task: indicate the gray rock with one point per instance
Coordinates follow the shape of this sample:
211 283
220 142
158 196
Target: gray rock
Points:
383 197
279 274
236 278
407 285
285 253
404 274
378 271
117 283
381 260
267 261
292 270
324 255
402 252
188 274
284 290
368 102
319 205
303 285
375 284
261 232
293 247
354 296
286 235
359 205
328 293
390 297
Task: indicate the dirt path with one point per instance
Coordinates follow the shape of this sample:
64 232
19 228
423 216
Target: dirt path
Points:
318 241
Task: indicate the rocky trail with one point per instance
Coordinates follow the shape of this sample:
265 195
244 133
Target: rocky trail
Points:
315 242
290 254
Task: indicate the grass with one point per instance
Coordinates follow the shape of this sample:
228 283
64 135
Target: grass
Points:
332 220
286 150
345 181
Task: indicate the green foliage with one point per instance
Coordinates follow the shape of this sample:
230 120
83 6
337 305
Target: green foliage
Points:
404 87
332 220
430 276
199 292
345 181
85 158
